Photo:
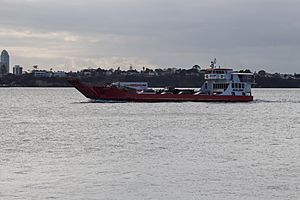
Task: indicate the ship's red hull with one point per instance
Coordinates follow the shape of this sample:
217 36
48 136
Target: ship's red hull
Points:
117 94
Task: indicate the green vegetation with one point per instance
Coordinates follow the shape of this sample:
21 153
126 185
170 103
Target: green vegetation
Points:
193 77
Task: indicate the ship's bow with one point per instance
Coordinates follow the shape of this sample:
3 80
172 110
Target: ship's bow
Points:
85 89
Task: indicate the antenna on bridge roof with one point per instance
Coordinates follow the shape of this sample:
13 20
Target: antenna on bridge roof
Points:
213 63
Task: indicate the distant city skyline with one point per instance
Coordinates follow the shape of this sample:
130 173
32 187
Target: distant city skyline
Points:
4 63
72 35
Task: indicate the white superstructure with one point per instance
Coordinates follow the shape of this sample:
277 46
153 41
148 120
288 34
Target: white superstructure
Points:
223 81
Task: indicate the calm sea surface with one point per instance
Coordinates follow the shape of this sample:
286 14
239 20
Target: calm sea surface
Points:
55 144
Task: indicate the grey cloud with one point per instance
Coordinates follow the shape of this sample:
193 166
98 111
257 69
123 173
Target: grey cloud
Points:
243 33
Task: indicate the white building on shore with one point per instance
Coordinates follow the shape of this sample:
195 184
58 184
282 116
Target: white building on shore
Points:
17 70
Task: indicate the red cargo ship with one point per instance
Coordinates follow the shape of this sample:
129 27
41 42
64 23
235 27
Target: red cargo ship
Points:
220 84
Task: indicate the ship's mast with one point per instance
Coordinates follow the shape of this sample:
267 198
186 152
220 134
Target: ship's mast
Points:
213 63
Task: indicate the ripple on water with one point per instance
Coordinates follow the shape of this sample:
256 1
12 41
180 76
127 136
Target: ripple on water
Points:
55 144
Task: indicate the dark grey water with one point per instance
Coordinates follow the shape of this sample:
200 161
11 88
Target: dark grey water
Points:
57 145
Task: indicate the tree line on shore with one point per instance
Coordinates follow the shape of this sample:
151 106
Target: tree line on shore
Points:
193 77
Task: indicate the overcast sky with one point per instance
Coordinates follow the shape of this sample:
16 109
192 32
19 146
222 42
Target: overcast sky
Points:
72 35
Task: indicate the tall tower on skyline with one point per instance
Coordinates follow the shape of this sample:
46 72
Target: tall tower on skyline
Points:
4 62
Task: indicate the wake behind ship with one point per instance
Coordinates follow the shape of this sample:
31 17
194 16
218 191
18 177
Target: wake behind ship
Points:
221 84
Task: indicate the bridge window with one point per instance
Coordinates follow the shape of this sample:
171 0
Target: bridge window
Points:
220 85
219 72
237 85
246 78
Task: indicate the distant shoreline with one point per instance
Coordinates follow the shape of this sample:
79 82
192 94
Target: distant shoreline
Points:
192 78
